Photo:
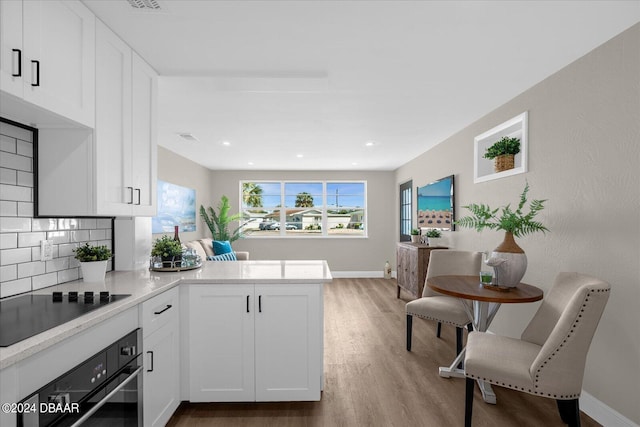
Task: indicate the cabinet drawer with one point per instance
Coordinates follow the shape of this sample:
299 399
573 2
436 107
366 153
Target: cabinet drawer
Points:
159 310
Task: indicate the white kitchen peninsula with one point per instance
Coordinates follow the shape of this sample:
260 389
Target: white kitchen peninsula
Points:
276 304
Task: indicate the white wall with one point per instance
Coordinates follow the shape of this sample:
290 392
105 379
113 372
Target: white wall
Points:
584 157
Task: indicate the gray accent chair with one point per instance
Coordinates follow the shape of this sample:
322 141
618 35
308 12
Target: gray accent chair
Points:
442 308
549 359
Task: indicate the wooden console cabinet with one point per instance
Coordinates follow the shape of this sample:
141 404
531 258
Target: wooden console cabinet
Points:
412 262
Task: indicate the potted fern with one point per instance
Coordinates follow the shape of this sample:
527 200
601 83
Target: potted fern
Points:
93 261
508 258
503 152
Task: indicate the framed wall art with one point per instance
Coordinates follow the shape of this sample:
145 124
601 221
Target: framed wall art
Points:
501 151
176 206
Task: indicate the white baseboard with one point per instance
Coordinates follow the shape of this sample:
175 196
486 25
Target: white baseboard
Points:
602 413
362 274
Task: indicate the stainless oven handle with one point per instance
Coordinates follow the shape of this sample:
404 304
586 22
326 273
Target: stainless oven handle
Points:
98 405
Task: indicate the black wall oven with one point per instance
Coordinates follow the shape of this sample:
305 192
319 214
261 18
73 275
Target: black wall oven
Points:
104 390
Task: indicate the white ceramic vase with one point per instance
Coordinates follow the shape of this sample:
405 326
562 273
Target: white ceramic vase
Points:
510 262
434 241
93 271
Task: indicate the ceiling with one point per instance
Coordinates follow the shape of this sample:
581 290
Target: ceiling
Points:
346 85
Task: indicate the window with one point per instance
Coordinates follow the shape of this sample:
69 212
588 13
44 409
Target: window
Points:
304 208
405 211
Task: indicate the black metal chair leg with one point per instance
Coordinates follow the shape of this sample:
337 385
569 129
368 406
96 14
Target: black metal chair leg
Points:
569 412
409 325
469 327
459 344
438 329
468 401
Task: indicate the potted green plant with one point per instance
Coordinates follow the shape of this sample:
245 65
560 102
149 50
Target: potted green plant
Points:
218 222
93 261
415 235
508 259
503 152
169 250
433 237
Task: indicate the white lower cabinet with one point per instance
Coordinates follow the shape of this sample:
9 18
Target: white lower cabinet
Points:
161 340
255 342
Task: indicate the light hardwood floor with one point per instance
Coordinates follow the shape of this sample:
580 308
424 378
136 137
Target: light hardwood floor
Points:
371 380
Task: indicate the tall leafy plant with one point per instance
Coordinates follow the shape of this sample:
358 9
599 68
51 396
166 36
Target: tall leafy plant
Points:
516 222
218 222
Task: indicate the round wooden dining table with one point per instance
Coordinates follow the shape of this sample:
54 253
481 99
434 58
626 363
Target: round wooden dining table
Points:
481 305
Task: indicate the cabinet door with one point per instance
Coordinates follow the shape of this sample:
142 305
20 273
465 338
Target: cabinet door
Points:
11 50
144 144
59 58
161 380
221 347
113 124
288 342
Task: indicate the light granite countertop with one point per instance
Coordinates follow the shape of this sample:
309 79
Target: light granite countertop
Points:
144 284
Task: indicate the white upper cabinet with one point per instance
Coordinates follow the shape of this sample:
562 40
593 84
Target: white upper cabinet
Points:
114 166
48 60
125 135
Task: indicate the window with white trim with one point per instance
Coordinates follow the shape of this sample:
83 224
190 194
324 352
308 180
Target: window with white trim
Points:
304 208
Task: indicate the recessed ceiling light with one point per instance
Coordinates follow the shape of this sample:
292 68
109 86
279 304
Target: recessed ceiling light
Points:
250 163
299 156
226 143
187 136
354 164
369 144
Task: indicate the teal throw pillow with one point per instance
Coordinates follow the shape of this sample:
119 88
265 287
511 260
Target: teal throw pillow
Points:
229 256
221 247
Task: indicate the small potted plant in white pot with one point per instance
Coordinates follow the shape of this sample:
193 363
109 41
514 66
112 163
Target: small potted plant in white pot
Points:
93 261
434 237
415 235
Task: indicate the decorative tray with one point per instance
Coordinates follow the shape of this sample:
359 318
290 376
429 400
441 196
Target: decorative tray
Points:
174 269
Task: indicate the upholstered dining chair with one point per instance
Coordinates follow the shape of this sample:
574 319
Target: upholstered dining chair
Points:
549 359
442 308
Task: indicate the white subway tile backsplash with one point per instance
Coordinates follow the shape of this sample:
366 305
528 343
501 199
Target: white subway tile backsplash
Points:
44 224
8 144
58 237
8 272
20 234
44 280
29 269
67 224
8 224
16 132
15 287
104 223
78 235
8 208
25 209
57 264
25 179
8 176
14 192
8 240
87 223
14 161
24 148
97 235
31 239
15 256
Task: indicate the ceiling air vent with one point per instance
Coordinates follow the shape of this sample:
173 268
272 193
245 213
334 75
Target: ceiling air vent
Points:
149 5
188 137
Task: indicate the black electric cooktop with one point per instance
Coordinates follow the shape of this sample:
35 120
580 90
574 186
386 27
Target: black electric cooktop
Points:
28 315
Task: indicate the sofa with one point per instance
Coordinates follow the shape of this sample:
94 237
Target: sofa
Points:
204 248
